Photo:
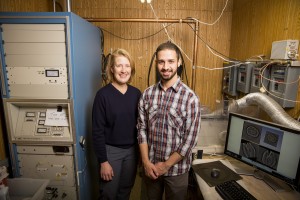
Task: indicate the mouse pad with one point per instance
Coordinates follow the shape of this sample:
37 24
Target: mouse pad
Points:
226 174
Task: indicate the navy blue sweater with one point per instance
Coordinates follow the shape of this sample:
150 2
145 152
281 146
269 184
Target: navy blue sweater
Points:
114 119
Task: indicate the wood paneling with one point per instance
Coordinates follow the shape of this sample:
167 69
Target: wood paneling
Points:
207 83
256 24
247 28
26 6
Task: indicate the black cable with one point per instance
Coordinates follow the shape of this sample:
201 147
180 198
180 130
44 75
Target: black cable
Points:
184 67
179 72
60 6
103 58
136 38
150 66
105 61
101 38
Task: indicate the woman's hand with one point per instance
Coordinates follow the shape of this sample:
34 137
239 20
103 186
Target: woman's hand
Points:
106 171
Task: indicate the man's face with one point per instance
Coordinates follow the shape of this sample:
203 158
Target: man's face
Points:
167 64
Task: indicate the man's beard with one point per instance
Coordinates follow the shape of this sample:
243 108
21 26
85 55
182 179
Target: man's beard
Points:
169 78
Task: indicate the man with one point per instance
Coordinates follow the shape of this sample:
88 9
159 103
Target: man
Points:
168 124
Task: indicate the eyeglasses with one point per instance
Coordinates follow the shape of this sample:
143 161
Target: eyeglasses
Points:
120 66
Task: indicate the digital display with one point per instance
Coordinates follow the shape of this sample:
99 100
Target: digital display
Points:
30 114
42 130
41 122
42 114
266 146
52 73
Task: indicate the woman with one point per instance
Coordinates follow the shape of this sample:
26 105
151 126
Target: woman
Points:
114 128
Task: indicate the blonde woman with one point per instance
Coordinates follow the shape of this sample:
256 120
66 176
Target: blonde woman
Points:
114 128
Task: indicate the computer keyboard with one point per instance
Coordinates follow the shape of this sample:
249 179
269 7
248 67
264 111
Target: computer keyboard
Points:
231 190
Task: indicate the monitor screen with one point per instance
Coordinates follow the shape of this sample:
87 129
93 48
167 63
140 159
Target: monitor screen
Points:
269 147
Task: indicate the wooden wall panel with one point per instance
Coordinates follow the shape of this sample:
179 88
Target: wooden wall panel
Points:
207 83
247 28
256 24
26 6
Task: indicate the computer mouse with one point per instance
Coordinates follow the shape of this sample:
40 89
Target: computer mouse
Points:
215 173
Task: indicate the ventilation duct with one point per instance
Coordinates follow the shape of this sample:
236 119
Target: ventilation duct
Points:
269 105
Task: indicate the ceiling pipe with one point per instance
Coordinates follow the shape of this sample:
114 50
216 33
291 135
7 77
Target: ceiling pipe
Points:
140 20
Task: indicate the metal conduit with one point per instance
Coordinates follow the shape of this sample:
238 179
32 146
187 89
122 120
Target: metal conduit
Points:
270 106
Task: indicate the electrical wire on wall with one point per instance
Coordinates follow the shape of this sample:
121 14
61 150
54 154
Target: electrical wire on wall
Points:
228 59
60 7
215 52
239 62
141 38
169 38
182 67
104 67
103 60
211 24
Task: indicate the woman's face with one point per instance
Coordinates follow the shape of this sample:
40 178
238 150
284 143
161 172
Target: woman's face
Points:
121 70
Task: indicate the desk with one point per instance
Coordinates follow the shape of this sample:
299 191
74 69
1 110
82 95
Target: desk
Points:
258 188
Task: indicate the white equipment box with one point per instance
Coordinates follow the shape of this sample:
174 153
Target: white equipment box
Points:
285 49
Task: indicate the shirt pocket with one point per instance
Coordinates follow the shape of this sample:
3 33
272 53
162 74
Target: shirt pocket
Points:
175 120
153 115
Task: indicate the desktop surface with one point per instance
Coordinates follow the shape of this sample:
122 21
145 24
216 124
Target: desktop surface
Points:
258 188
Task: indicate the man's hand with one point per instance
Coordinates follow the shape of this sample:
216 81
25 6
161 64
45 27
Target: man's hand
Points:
106 171
162 168
151 171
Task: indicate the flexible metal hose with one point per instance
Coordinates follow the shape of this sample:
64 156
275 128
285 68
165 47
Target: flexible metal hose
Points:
269 105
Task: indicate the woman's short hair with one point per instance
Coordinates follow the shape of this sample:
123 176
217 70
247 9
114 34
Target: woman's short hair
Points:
111 63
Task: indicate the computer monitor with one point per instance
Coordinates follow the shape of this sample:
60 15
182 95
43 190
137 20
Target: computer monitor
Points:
266 146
